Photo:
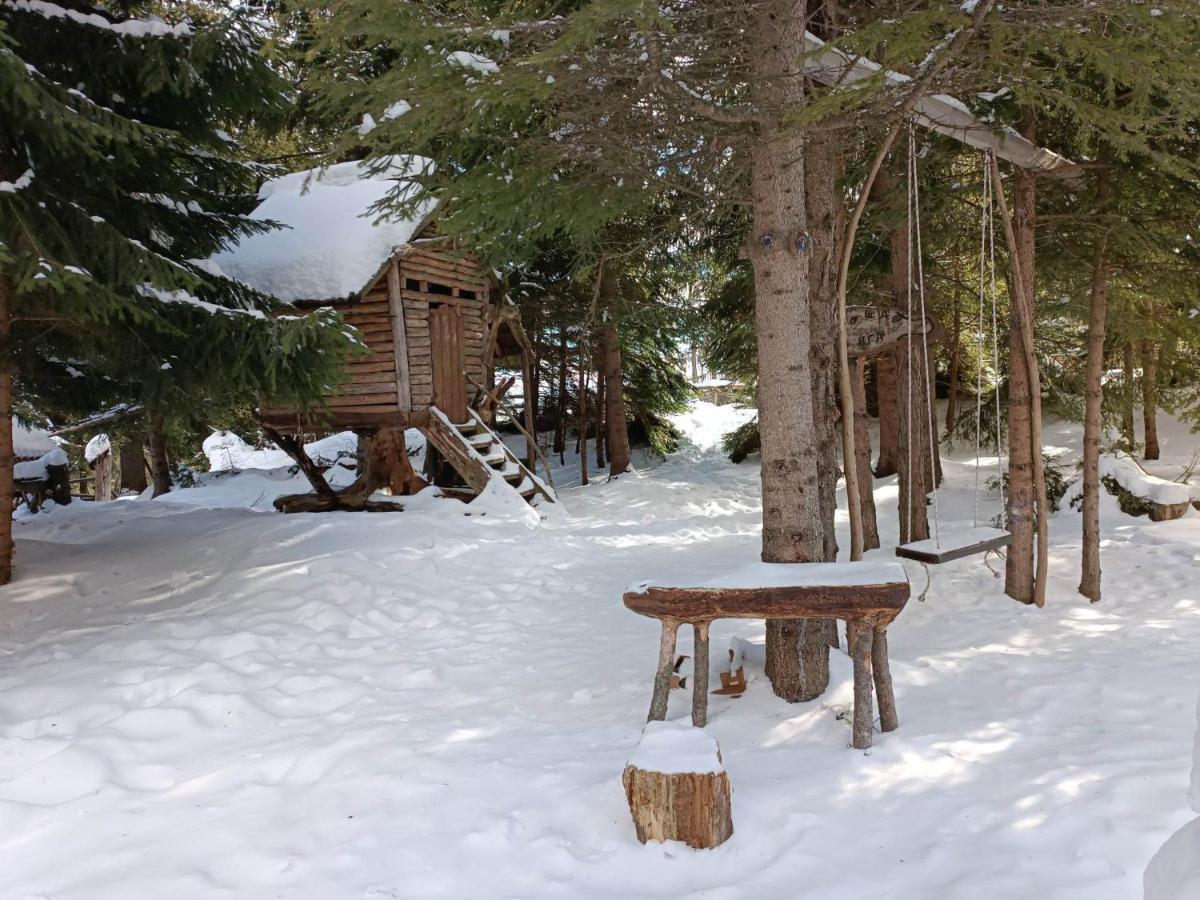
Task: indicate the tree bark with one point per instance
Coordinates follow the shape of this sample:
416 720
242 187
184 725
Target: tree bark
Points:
601 411
792 526
916 477
102 467
560 425
1150 354
619 454
583 411
888 462
133 462
160 463
386 464
1128 393
7 460
955 359
1019 562
1089 582
862 441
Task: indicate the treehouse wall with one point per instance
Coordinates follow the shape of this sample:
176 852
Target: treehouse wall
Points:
429 278
405 369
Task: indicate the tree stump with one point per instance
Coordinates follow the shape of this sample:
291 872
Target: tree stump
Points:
677 787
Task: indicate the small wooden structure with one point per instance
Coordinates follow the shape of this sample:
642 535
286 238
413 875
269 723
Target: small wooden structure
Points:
868 595
432 319
677 787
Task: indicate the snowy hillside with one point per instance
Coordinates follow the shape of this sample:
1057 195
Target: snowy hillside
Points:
200 699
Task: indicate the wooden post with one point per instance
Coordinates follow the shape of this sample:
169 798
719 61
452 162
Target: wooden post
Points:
861 641
399 338
700 674
888 721
103 466
662 678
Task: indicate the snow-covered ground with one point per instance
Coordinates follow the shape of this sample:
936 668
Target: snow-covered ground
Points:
200 699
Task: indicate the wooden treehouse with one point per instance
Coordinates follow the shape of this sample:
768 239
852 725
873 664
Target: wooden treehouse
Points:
433 320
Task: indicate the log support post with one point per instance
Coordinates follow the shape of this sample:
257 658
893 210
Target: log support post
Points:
666 665
862 639
700 674
888 721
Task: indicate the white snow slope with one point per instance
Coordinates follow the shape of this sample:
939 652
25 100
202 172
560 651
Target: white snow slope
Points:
229 703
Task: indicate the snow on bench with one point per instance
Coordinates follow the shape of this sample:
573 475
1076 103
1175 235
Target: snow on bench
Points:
762 575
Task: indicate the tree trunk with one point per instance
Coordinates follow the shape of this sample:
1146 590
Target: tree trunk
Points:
792 526
862 442
160 463
1150 354
583 411
916 477
888 396
102 467
560 425
386 464
133 462
529 385
601 412
1089 582
1128 392
619 454
1019 563
7 460
955 359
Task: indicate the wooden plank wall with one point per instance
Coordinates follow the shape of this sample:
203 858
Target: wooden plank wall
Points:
372 377
418 270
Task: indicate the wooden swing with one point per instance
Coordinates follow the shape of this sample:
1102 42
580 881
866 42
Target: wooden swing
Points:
979 538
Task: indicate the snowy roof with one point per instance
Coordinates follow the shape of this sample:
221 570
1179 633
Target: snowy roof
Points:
30 443
332 246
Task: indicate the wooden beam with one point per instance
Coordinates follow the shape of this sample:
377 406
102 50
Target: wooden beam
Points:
937 112
399 338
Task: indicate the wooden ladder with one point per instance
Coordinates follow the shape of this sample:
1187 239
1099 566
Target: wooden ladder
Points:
478 455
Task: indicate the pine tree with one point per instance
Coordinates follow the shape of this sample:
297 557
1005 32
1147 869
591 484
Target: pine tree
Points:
118 179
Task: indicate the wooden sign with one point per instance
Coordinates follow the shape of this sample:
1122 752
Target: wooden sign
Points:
871 330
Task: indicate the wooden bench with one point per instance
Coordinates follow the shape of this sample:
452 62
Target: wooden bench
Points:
868 595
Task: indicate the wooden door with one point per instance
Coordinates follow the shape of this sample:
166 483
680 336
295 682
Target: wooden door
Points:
446 343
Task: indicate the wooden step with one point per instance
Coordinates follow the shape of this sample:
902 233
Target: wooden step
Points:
496 458
481 441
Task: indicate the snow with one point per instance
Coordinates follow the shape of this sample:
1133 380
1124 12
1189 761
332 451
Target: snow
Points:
11 187
37 469
331 246
138 28
397 109
751 575
469 60
202 701
676 747
30 442
1174 872
97 447
228 452
1137 481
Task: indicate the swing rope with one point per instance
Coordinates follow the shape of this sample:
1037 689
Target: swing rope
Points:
915 245
987 280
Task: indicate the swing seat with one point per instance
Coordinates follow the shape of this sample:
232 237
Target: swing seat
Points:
967 542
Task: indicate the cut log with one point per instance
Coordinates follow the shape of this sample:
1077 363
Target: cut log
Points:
677 787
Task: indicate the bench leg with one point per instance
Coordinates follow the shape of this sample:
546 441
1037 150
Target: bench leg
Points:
700 674
666 665
883 682
861 638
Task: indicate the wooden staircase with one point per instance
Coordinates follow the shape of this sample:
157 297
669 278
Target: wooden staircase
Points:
480 457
